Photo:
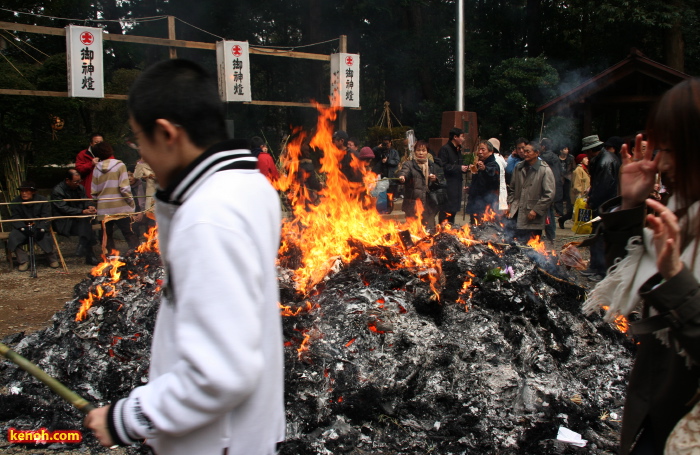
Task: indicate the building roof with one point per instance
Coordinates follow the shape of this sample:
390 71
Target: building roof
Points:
635 63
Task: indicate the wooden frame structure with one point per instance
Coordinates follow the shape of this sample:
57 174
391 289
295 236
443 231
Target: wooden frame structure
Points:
173 44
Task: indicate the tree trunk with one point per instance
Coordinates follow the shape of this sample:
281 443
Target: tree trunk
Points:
674 47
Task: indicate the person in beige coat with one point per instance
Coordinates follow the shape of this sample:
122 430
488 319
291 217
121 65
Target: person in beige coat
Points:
532 192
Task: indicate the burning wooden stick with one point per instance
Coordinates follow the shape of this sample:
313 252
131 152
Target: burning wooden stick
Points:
80 403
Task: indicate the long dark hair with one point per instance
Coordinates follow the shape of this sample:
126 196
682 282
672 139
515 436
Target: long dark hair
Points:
673 124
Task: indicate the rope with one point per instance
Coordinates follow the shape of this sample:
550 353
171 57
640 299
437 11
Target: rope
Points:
97 217
75 200
134 20
8 61
14 44
27 43
200 29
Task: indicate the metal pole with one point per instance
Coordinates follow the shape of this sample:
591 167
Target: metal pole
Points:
460 56
343 115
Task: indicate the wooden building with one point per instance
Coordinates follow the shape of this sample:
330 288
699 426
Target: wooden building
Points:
618 100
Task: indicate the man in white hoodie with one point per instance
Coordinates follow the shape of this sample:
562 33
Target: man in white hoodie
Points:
217 370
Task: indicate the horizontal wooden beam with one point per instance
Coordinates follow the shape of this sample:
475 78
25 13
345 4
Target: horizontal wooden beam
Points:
7 91
162 41
282 103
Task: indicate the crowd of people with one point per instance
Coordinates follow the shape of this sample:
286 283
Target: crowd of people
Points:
643 253
99 184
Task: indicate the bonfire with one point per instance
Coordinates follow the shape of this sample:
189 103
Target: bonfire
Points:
397 340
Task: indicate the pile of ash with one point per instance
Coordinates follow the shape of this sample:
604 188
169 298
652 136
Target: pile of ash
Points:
101 357
488 360
376 364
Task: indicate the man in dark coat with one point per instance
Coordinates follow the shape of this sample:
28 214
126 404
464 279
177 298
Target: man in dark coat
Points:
604 169
21 230
386 164
485 185
70 188
552 159
450 158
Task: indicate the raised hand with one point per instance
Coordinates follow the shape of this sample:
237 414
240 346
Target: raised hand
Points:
666 239
637 174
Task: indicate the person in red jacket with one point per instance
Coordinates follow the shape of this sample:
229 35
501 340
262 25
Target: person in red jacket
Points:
85 162
266 164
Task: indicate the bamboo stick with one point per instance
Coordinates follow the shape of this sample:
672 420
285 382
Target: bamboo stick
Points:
80 403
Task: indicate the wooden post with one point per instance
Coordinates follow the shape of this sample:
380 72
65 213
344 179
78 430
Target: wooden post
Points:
171 35
343 115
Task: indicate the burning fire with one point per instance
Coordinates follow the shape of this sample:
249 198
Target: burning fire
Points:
538 245
620 322
330 229
110 268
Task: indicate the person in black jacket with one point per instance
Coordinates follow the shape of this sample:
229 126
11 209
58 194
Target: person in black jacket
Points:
70 188
22 230
483 191
603 168
450 158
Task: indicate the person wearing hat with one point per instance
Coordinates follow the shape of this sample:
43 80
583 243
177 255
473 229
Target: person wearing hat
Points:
604 169
502 186
21 230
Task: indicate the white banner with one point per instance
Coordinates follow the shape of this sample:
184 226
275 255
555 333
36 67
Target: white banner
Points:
234 70
345 80
85 56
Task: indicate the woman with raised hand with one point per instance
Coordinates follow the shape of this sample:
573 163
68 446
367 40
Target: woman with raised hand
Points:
659 273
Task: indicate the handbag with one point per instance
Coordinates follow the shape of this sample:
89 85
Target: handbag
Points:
581 217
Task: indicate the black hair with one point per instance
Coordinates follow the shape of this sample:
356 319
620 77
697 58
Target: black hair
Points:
455 132
354 141
103 150
70 173
256 142
182 92
547 144
535 146
521 140
94 135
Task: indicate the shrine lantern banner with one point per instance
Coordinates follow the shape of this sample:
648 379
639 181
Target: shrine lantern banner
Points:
234 70
345 80
85 56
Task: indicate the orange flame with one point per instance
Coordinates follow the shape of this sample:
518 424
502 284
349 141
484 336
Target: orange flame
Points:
328 231
620 322
538 245
111 267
